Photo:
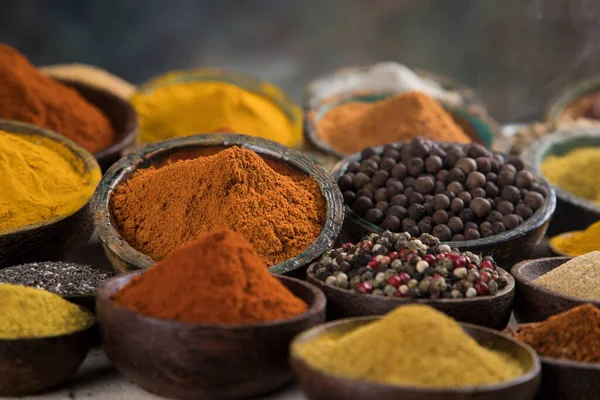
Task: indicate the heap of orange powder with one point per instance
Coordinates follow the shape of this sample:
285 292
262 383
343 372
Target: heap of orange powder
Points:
27 95
218 279
354 126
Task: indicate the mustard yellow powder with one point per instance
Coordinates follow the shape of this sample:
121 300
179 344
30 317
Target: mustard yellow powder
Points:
576 172
188 108
580 242
27 312
40 179
413 345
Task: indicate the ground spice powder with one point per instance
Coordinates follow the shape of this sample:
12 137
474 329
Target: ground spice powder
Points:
579 243
577 277
414 345
280 212
28 95
355 126
218 279
573 335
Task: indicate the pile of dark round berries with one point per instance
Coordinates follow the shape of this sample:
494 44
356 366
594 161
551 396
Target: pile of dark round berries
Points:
454 192
396 265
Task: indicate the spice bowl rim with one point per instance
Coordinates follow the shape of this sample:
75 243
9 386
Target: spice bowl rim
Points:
317 331
107 294
537 219
538 148
89 162
91 321
552 360
120 171
554 249
311 278
317 109
519 277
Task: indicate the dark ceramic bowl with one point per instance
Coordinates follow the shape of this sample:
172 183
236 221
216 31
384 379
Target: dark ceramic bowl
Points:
572 213
490 311
480 130
29 366
507 248
568 380
321 385
125 258
199 361
534 303
50 239
120 113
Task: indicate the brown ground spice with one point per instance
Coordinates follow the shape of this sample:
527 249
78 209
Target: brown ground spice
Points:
573 335
355 126
279 211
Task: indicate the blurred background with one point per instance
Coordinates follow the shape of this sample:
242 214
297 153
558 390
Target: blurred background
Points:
516 53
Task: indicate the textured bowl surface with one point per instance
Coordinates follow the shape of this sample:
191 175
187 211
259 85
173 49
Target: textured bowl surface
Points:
507 248
120 113
125 258
51 239
198 361
479 129
534 303
320 385
29 366
572 212
490 311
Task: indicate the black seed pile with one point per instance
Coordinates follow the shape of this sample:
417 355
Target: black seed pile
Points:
64 279
397 265
454 192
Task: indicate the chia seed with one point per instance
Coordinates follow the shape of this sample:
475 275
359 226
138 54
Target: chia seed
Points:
65 279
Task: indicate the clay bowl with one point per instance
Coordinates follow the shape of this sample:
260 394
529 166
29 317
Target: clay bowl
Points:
194 361
574 101
121 114
320 385
51 239
125 258
29 366
573 213
507 248
534 303
568 380
490 311
480 130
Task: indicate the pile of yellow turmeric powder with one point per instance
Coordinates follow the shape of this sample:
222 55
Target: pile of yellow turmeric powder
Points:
579 243
575 172
414 345
170 107
40 179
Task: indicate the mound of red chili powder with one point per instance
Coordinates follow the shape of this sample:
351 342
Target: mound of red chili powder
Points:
28 95
218 279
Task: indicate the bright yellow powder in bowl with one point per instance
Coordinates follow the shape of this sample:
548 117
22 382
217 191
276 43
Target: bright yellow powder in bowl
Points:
413 345
34 313
188 108
575 172
40 179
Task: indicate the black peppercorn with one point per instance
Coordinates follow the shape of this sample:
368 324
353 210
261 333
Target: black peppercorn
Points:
442 176
387 164
471 225
476 150
383 206
458 237
399 200
353 166
475 180
511 221
391 223
455 187
455 224
424 227
349 197
368 152
456 175
442 232
424 184
379 178
517 162
494 216
505 178
465 197
415 198
498 227
397 211
523 211
481 207
505 207
540 189
483 165
511 193
368 167
433 164
467 215
491 190
416 167
346 182
440 202
472 234
456 205
416 211
381 194
399 171
409 181
439 187
533 200
407 223
374 216
394 187
361 179
440 217
478 192
362 205
467 165
524 179
364 193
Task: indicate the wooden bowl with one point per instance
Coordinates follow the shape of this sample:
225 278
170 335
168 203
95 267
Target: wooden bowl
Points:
490 311
534 303
320 385
125 258
507 248
573 213
29 366
193 361
568 380
120 113
51 239
480 130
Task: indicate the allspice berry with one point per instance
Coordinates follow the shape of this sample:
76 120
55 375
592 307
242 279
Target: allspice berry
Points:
467 165
441 202
442 232
481 207
475 179
374 216
533 200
